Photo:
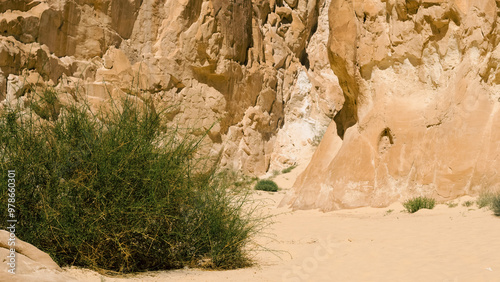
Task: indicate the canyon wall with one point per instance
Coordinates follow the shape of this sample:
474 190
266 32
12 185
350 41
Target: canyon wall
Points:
254 74
404 95
422 98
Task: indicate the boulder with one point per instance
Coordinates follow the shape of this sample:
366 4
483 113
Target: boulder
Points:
31 264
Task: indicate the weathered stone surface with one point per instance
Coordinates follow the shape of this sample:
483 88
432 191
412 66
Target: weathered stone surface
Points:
31 264
240 68
411 86
422 104
405 92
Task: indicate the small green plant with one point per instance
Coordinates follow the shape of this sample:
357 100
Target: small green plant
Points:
276 172
495 205
239 181
468 204
288 169
485 199
317 138
388 212
266 185
451 204
415 204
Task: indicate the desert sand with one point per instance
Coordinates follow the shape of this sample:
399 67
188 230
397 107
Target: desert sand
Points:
366 244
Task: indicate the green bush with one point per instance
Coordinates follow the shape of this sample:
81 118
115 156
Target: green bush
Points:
468 204
119 191
451 204
495 205
485 198
414 204
266 185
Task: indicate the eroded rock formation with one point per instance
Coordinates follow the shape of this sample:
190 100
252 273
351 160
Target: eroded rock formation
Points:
405 92
23 262
253 72
421 113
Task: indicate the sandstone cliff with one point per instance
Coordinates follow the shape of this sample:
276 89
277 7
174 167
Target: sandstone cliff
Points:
256 69
421 113
406 93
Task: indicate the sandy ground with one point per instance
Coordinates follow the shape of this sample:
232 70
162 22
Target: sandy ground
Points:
366 244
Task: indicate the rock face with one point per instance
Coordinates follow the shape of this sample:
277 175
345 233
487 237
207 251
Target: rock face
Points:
406 93
31 264
421 113
252 72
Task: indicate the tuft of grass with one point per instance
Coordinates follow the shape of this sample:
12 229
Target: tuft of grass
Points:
417 203
238 180
288 169
485 199
388 212
468 204
451 204
266 185
317 138
495 205
119 191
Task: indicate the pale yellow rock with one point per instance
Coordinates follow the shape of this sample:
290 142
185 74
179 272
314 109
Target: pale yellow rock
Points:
28 262
404 91
226 66
425 120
